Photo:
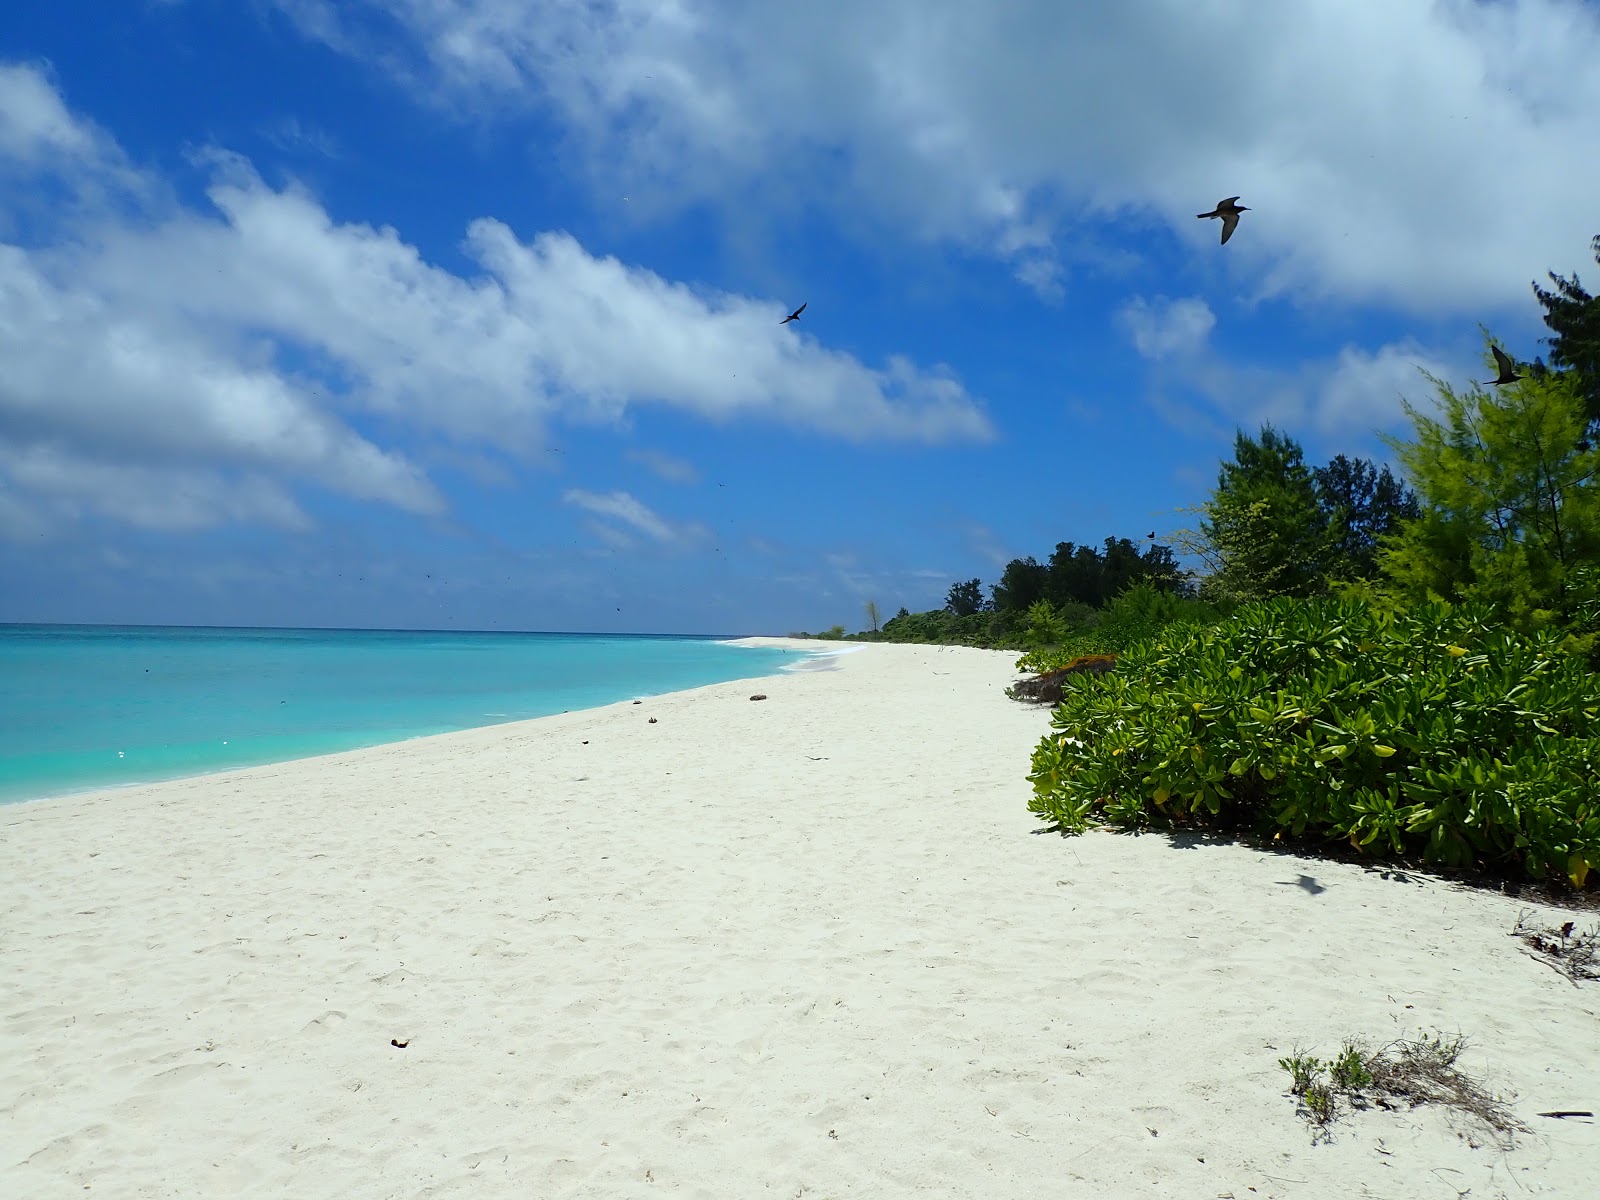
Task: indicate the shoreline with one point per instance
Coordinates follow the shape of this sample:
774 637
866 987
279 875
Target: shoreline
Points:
818 660
814 945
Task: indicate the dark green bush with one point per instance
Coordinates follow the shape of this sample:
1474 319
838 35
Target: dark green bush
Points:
1433 729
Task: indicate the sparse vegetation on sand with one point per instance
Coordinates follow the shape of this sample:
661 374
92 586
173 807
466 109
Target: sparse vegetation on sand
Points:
1573 953
1404 1073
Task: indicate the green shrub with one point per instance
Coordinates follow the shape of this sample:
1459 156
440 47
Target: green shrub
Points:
1140 613
1433 729
1076 645
1044 625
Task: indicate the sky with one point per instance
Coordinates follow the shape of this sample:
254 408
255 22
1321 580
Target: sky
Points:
465 314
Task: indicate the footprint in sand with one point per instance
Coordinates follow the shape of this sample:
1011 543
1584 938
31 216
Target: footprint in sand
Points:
326 1023
177 1076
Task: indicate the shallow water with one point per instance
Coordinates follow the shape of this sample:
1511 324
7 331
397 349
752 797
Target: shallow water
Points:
86 706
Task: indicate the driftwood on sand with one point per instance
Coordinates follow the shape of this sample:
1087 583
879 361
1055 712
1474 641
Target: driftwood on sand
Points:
1046 688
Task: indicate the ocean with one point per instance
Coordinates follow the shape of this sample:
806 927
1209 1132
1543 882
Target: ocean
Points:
85 707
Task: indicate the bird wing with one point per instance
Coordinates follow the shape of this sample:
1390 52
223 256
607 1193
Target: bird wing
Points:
1503 361
1230 222
801 309
1228 203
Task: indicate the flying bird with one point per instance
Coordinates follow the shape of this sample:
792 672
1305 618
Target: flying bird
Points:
1229 211
1508 369
795 315
1151 535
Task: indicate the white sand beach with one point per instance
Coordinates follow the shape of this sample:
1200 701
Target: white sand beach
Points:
808 947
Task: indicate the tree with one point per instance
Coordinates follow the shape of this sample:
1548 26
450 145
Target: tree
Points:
1266 535
872 615
1573 315
1071 575
1083 575
1360 504
1510 505
965 599
1022 582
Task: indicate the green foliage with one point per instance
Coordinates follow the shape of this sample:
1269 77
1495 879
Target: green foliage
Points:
1349 1071
1511 509
1077 644
1143 610
1265 530
1303 1071
833 633
965 599
1360 504
872 615
1434 730
1023 582
1319 1103
1045 626
1083 575
941 627
1573 315
1138 614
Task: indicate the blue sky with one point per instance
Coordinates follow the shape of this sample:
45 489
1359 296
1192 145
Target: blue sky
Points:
464 313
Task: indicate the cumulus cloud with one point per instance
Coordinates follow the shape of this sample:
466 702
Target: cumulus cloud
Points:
155 336
1166 328
1385 149
545 328
106 380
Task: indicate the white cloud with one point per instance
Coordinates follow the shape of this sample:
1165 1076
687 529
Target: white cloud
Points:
1386 150
1364 389
620 506
78 367
1349 396
67 486
35 126
546 328
162 338
673 470
1167 328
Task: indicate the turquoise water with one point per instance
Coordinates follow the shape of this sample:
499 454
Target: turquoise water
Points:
86 706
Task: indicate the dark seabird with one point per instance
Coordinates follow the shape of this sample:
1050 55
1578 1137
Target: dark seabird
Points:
1229 211
1508 369
795 315
1151 535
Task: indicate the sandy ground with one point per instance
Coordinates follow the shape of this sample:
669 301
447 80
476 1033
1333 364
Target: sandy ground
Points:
813 946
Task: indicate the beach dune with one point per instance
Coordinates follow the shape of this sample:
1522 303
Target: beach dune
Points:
811 946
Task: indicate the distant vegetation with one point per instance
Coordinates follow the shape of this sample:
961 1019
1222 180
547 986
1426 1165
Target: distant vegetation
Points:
1406 667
